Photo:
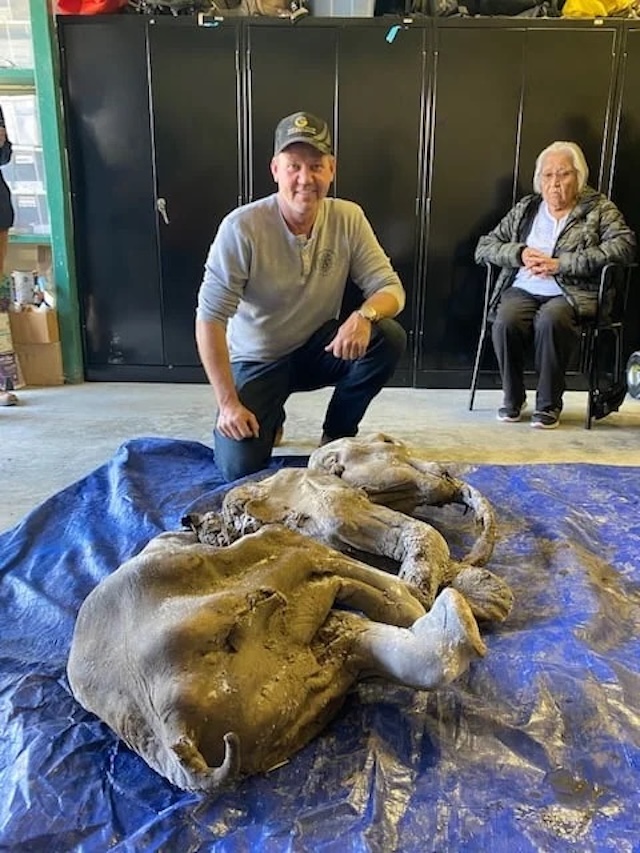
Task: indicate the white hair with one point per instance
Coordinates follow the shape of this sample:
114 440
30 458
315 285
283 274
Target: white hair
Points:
577 157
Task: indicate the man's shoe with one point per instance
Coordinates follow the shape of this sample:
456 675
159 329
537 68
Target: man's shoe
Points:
511 414
546 419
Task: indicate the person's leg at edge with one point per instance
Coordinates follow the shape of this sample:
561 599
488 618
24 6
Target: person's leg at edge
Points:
264 389
356 382
7 397
511 333
556 335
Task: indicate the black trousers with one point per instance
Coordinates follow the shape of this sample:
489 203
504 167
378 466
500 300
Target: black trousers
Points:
6 208
265 387
551 325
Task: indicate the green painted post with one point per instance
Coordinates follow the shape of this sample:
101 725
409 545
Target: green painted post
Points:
47 74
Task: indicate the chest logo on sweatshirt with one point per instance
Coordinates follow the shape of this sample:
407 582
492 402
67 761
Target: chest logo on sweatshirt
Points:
326 260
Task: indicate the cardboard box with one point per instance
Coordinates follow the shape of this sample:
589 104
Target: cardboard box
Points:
34 326
6 341
40 364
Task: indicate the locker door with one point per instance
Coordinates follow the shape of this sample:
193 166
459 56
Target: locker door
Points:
380 146
575 103
109 140
476 113
288 69
625 187
195 103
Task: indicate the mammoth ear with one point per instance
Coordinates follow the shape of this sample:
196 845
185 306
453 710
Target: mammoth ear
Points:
332 465
380 437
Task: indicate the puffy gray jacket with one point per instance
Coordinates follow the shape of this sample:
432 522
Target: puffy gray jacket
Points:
595 234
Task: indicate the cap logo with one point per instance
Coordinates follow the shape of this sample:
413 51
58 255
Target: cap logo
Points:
303 127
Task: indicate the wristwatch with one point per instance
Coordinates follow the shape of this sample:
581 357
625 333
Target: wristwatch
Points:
369 313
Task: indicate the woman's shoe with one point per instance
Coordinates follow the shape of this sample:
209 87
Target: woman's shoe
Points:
8 398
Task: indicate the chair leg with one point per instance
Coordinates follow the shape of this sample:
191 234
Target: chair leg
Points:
591 369
476 367
618 369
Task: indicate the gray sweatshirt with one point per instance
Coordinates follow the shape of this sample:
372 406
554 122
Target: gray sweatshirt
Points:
274 289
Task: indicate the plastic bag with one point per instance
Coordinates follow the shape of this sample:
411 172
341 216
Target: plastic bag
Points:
597 8
610 400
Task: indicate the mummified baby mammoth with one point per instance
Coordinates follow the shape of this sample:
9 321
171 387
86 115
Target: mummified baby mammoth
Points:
213 662
337 511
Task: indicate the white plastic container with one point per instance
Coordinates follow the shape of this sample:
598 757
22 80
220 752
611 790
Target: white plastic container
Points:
342 8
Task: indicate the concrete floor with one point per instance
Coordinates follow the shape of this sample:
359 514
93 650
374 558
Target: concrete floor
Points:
57 435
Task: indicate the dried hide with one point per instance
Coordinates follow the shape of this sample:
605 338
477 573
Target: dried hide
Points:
385 469
326 508
213 662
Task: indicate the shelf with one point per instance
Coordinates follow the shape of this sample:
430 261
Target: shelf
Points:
17 77
31 239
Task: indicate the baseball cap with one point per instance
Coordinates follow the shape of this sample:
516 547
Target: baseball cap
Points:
303 127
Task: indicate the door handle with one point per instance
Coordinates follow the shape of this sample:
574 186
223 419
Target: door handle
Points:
161 204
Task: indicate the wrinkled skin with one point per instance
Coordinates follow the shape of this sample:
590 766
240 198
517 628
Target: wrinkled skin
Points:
216 661
387 472
327 509
383 467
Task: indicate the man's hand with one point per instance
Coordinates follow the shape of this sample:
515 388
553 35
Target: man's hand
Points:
538 263
234 420
352 338
3 136
237 422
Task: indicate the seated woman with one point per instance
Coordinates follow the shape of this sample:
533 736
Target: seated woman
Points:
551 246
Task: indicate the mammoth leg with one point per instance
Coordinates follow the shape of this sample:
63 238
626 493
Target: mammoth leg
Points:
482 550
421 551
438 491
433 652
489 597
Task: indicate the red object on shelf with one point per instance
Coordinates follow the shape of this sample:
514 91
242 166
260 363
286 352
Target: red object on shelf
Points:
89 7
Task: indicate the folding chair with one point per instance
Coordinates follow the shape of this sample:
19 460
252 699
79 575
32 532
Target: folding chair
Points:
609 321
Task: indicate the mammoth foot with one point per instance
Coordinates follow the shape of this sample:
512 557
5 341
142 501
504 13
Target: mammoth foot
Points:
434 651
488 596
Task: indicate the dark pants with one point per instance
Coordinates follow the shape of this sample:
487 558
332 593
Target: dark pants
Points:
265 387
551 324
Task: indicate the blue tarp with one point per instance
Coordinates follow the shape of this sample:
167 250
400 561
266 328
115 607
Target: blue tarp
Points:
536 748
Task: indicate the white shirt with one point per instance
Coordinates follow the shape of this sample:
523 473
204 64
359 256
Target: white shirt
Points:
543 235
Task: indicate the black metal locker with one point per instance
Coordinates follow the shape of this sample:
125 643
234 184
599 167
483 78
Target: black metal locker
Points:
289 68
109 142
625 182
502 92
476 112
195 100
437 125
381 138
